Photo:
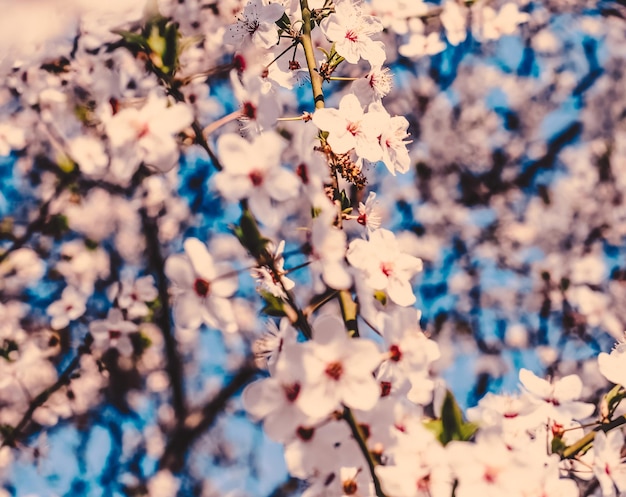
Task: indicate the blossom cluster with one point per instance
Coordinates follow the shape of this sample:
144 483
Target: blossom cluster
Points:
108 126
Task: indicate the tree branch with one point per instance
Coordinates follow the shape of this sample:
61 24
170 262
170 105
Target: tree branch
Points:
198 422
12 435
174 365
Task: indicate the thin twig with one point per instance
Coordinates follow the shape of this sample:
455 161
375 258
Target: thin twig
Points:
174 364
38 222
11 436
357 433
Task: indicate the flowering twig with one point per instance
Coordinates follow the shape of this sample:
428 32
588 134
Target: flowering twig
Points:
572 451
358 435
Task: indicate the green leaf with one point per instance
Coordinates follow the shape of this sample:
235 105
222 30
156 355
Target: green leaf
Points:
156 41
454 427
145 341
558 445
132 38
273 305
435 426
250 237
614 397
346 204
284 23
56 225
91 244
65 164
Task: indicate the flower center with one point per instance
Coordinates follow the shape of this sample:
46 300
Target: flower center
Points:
256 177
292 392
490 475
334 370
352 36
249 110
303 173
353 128
385 388
395 354
251 25
423 484
201 287
305 434
386 268
350 487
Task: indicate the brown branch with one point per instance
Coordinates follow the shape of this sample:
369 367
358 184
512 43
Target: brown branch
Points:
37 223
200 421
13 435
174 365
172 88
358 435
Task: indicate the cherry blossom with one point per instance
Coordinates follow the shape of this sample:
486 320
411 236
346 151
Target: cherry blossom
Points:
132 296
148 133
369 215
252 171
557 401
70 307
336 369
612 365
608 464
328 244
113 332
256 24
349 127
351 30
274 281
375 85
384 266
201 288
454 20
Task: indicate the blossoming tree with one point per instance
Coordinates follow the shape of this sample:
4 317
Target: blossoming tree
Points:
214 214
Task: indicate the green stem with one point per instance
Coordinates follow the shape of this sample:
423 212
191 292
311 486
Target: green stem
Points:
296 118
307 44
571 451
349 311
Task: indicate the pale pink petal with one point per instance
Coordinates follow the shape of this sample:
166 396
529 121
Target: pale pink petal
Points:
568 388
201 260
178 269
262 397
535 385
188 311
